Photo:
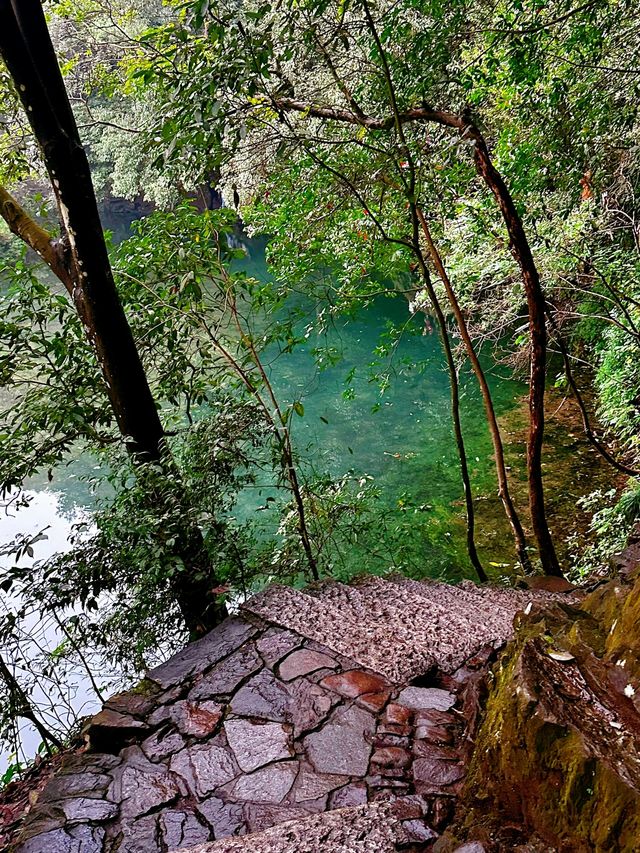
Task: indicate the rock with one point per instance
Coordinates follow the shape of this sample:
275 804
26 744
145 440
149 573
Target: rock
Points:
140 786
276 643
424 749
255 744
80 839
389 730
271 784
387 782
311 785
203 653
182 829
304 662
408 808
373 701
547 583
434 734
225 819
109 730
205 766
263 816
435 773
224 678
136 703
435 718
84 809
136 836
391 756
471 847
161 745
398 715
417 830
263 696
341 746
354 794
309 705
196 719
355 682
75 785
386 739
427 698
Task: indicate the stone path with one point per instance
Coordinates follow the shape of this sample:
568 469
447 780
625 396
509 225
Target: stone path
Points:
401 628
373 827
315 713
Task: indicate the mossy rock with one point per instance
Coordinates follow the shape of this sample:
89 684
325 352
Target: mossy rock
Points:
534 767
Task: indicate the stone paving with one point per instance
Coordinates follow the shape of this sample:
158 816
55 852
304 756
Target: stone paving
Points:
332 715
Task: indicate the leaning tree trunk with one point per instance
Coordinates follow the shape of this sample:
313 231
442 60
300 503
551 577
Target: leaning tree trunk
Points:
494 429
455 412
521 251
84 266
21 707
81 262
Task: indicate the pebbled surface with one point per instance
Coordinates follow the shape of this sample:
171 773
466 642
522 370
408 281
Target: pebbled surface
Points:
365 829
400 628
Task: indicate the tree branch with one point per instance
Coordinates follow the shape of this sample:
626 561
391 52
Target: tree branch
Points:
34 235
372 122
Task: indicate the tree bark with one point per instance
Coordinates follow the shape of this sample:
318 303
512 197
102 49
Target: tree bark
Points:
455 415
521 251
80 259
494 429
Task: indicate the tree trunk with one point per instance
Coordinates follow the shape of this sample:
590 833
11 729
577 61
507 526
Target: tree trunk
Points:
81 262
455 412
521 251
84 265
496 438
22 707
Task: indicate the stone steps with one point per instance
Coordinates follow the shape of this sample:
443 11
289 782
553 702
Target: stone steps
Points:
398 627
304 730
379 645
444 635
371 828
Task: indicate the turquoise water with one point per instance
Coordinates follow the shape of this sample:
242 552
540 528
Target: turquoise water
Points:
400 437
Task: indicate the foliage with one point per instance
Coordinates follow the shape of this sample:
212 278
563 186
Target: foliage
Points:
614 518
171 96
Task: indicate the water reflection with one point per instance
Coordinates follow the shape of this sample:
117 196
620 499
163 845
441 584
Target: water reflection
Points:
45 518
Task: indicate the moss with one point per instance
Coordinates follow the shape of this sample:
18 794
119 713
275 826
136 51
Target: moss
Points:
147 688
529 770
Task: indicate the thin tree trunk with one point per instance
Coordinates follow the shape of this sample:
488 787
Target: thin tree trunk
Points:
410 190
21 707
521 251
455 415
496 438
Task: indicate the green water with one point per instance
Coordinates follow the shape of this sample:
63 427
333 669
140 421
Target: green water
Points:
401 438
